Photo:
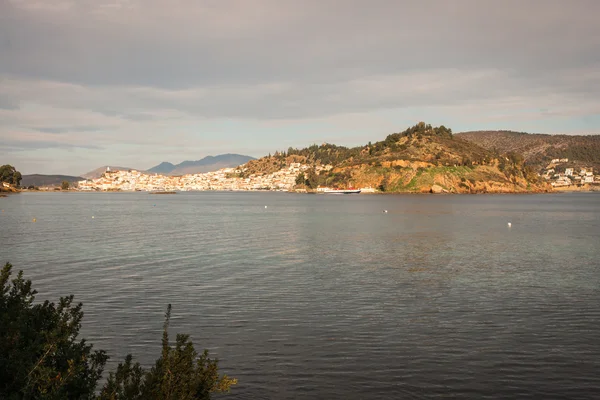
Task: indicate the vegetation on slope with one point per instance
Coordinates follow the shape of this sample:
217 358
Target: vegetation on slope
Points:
539 149
41 356
410 161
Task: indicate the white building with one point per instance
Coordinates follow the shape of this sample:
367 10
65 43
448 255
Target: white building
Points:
562 181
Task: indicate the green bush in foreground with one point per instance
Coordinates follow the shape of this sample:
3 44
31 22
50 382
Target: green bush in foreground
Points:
41 356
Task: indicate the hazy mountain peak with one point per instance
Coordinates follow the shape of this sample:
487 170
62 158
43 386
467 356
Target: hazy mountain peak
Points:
206 164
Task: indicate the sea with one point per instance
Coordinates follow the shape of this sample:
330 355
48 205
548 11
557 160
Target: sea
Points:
332 296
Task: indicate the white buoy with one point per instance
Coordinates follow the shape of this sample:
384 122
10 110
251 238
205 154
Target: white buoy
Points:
509 224
385 211
93 217
265 206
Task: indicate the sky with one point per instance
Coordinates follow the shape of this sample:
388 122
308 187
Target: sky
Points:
88 83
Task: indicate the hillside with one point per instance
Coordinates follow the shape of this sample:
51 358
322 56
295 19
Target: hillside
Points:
539 149
97 173
415 160
47 180
207 164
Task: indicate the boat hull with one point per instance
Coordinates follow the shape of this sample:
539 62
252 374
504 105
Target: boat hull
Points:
342 191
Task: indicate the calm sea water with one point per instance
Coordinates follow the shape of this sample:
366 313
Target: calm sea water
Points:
328 297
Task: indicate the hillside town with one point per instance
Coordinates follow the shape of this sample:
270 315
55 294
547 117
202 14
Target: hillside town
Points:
223 179
560 176
557 174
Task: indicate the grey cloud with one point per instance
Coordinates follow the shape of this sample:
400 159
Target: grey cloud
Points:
59 130
190 43
130 73
114 111
7 103
49 130
24 145
296 100
293 100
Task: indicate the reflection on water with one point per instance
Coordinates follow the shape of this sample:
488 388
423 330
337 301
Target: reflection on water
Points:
327 296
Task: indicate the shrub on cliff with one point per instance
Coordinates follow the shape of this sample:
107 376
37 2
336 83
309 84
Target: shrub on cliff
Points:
41 356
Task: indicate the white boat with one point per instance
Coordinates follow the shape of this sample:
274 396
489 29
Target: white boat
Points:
341 191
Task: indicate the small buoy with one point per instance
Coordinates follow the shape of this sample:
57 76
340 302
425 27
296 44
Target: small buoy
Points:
385 211
509 224
265 206
93 217
34 220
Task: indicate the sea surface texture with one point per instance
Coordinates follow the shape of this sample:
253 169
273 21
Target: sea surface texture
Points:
329 296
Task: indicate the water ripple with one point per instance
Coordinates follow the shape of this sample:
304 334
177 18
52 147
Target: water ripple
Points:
326 297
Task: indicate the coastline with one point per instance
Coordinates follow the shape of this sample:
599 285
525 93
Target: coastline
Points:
577 189
588 189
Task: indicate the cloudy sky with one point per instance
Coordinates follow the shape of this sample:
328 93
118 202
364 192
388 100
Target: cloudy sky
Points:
85 83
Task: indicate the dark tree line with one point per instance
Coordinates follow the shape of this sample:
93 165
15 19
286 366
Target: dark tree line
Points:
327 153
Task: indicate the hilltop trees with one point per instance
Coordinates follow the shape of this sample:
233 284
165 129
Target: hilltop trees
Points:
394 146
9 174
41 356
327 153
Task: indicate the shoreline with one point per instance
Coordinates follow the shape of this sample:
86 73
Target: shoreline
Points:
552 191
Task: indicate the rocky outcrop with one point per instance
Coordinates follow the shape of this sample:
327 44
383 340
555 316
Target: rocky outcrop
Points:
436 189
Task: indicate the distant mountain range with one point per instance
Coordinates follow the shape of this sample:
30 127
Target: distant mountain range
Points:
47 180
207 164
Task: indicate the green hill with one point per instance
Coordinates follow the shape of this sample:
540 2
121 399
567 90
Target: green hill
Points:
416 160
